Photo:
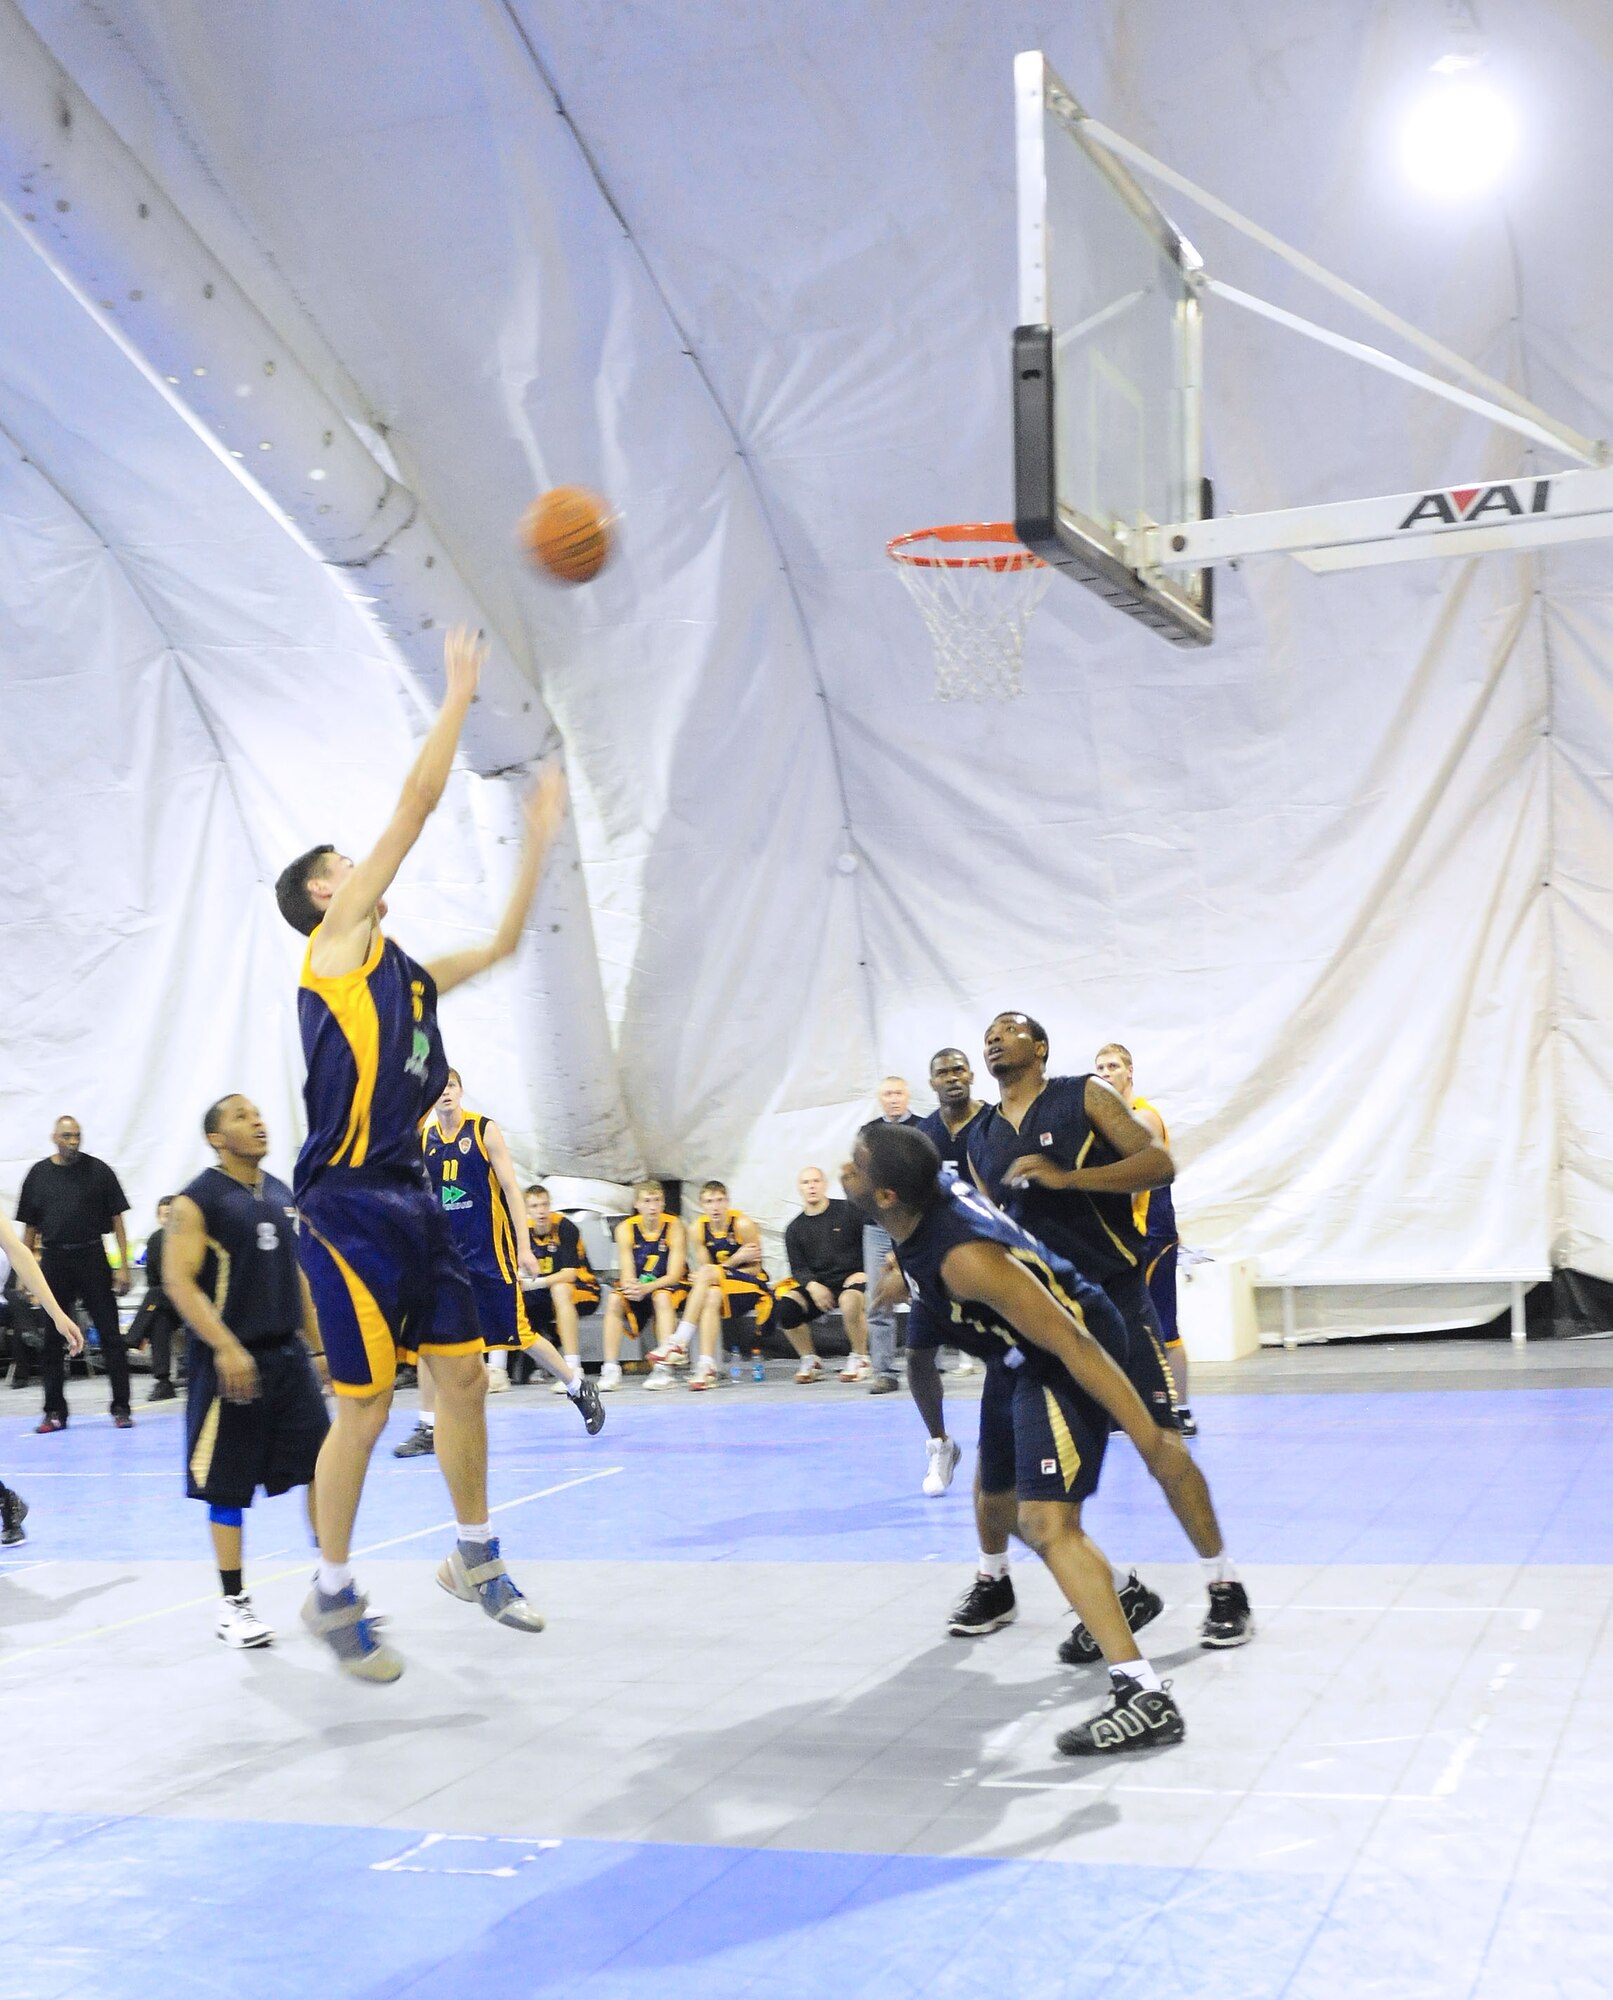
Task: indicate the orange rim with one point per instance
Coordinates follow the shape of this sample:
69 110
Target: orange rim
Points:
904 549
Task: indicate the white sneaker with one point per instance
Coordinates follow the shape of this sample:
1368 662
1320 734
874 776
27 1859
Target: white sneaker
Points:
659 1377
497 1381
968 1365
810 1370
705 1374
240 1626
944 1454
610 1377
857 1367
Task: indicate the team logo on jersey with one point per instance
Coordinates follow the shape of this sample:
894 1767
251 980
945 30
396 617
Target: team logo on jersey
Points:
1046 1139
455 1197
419 1054
1461 505
464 1145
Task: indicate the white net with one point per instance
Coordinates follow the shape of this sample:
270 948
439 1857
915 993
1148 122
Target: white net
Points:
976 614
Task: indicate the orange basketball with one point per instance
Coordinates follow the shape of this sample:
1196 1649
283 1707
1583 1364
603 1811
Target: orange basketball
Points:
567 532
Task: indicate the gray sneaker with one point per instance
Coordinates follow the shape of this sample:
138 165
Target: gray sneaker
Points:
420 1443
475 1572
343 1622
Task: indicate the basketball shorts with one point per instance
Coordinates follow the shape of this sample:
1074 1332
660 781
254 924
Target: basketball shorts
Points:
1142 1355
844 1281
231 1449
641 1312
502 1316
540 1308
741 1296
1041 1438
385 1275
1159 1261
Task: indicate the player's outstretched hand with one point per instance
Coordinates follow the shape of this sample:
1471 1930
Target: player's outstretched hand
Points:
70 1331
463 652
546 803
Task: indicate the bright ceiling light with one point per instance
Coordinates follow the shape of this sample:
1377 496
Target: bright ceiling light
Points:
1459 138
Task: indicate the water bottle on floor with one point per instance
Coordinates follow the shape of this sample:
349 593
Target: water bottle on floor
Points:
758 1373
736 1366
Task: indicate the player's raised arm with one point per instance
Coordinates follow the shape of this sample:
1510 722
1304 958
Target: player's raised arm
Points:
545 806
352 908
988 1275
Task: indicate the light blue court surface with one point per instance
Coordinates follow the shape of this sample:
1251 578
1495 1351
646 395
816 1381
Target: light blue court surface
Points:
745 1758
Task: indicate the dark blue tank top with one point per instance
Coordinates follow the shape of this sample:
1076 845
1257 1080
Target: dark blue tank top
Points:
375 1065
250 1270
952 1146
962 1215
462 1178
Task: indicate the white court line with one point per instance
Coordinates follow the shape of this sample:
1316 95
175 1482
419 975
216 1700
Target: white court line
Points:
297 1569
1206 1791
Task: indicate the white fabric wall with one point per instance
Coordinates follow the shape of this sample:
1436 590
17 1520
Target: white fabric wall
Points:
1338 881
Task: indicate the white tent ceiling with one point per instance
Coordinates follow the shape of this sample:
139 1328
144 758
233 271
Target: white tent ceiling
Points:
1339 881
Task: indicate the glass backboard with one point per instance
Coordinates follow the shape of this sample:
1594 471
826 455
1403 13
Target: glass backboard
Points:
1106 366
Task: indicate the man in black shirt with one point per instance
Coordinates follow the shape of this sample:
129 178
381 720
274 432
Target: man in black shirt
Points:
68 1204
156 1321
254 1416
824 1246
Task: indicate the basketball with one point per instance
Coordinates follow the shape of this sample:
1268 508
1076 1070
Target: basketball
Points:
566 532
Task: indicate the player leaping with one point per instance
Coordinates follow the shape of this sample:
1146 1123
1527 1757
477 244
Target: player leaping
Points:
380 1261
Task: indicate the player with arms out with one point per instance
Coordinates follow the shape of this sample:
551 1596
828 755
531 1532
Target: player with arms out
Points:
474 1178
652 1249
726 1277
13 1251
254 1415
1025 1312
377 1249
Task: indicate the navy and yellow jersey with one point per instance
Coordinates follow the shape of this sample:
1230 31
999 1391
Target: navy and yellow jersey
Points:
564 1250
1097 1233
460 1170
962 1215
952 1146
375 1065
652 1249
1153 1211
721 1242
250 1270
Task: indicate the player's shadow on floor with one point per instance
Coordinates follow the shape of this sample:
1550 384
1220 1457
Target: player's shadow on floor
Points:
811 1519
21 1606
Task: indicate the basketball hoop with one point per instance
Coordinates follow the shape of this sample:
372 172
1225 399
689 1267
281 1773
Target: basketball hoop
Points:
976 586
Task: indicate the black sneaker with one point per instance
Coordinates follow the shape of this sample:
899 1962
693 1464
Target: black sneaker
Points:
407 1377
1135 1718
162 1392
420 1443
1186 1422
1229 1621
989 1603
13 1512
1141 1606
589 1407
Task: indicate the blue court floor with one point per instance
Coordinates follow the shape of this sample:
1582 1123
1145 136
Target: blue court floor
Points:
745 1758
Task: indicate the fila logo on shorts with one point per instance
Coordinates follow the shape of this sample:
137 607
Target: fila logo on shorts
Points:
1050 1466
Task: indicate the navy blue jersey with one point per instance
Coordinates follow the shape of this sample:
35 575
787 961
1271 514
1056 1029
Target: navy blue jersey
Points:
652 1252
952 1146
1097 1233
250 1270
962 1215
375 1064
461 1173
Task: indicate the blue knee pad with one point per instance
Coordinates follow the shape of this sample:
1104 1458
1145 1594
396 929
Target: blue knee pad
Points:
225 1517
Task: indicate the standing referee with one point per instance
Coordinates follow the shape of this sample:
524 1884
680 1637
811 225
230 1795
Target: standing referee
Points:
68 1204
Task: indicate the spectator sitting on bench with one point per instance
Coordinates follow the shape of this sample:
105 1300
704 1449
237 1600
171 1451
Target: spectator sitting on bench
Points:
566 1288
824 1246
726 1277
652 1250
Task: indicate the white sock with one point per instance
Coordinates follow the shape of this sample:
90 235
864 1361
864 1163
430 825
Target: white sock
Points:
994 1567
481 1533
498 1361
574 1386
1219 1569
334 1577
685 1333
429 1419
1140 1671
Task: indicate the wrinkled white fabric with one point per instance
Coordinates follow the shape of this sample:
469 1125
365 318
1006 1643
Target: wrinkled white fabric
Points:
1339 882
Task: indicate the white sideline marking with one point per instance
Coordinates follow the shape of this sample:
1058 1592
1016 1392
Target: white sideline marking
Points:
409 1861
297 1569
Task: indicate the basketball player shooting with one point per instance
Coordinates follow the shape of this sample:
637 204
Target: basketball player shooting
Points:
381 1263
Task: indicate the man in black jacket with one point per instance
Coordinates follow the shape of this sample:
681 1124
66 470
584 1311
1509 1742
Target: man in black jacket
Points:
69 1203
156 1320
824 1246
